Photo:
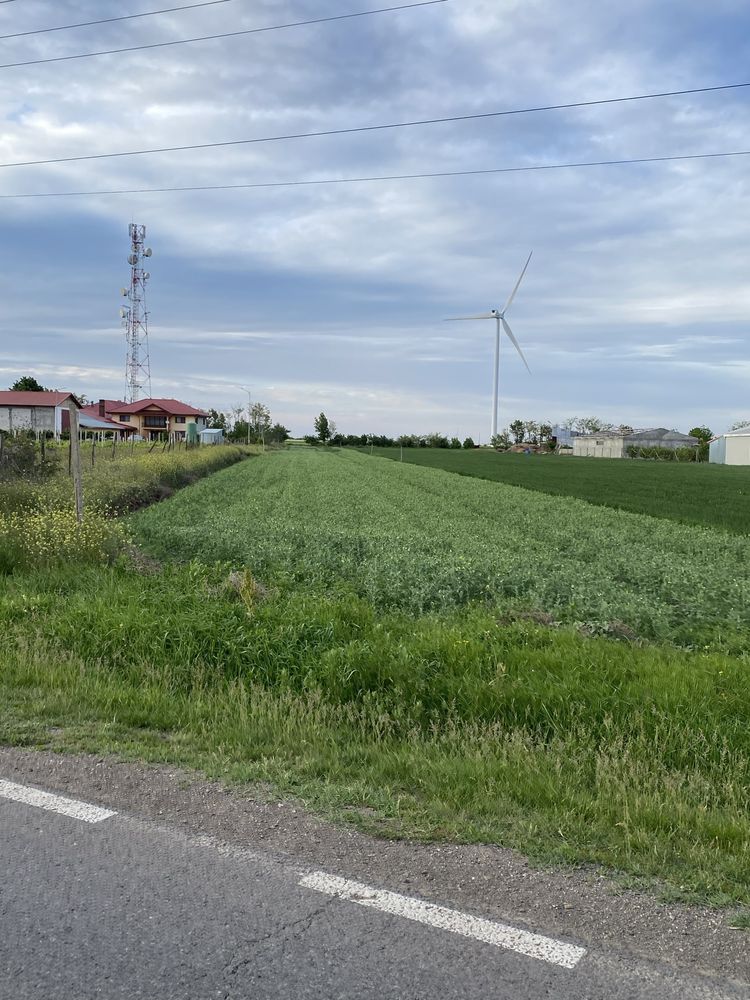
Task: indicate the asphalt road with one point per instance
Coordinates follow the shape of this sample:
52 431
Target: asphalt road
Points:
122 907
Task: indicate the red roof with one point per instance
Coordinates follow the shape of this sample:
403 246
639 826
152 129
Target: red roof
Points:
171 406
110 406
11 398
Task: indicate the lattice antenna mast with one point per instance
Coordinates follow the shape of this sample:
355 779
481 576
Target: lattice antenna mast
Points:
135 319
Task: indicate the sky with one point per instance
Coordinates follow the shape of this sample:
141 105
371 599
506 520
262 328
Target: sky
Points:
636 304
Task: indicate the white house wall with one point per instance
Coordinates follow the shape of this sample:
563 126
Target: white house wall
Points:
598 447
738 450
27 418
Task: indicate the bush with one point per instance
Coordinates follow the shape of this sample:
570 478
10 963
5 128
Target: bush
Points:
469 443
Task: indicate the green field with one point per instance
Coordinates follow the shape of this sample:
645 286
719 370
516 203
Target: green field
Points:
692 493
419 653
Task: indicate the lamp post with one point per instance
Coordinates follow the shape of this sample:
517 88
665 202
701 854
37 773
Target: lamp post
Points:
246 388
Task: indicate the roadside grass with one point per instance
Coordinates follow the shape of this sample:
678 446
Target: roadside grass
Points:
120 480
38 526
444 726
717 496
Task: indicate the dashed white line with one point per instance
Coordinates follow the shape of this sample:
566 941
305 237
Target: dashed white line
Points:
54 803
488 931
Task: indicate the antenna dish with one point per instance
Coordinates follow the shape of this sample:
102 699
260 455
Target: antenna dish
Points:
123 291
123 313
133 258
147 252
146 275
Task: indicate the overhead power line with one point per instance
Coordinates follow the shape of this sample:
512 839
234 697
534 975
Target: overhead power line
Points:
110 20
383 177
375 128
225 34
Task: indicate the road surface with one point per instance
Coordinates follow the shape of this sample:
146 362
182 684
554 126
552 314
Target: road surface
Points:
99 902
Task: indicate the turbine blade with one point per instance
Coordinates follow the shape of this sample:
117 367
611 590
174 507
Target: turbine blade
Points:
514 342
455 319
513 293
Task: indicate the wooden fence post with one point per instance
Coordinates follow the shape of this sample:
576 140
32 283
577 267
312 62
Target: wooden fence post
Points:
75 462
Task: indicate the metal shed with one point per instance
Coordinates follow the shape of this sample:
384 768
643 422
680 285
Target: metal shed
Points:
212 435
732 448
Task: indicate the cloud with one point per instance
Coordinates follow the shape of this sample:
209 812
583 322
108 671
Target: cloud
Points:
346 286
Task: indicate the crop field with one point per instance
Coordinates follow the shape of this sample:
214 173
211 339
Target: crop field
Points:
714 495
420 540
420 653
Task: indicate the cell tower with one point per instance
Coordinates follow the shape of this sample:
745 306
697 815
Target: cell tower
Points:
135 319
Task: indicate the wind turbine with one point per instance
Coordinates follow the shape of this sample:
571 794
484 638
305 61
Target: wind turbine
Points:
499 317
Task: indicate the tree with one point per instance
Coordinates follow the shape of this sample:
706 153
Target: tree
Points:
455 442
322 428
469 443
739 425
217 420
703 434
545 431
531 429
278 434
260 421
501 440
518 429
27 383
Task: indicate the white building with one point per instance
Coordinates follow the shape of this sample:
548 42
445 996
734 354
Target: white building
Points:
732 448
38 412
615 444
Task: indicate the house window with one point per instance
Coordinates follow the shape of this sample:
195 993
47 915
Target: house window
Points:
179 420
125 418
155 421
600 442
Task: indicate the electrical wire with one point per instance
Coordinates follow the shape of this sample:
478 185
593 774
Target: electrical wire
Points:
387 177
375 128
110 20
224 34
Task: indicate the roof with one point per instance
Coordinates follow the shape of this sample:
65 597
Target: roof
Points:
661 434
10 397
110 406
89 422
171 406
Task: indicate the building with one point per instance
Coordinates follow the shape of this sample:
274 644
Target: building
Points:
212 435
38 412
562 437
615 444
732 448
605 444
157 418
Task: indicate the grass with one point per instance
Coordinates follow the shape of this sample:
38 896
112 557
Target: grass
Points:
717 496
38 527
444 726
420 540
293 652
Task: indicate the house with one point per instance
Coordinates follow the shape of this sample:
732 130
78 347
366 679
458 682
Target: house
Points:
95 419
157 418
615 444
732 448
38 412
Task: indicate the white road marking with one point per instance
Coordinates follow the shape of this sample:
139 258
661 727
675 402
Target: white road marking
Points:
488 931
54 803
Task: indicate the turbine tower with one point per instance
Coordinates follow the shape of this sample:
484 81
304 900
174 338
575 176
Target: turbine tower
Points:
499 316
135 319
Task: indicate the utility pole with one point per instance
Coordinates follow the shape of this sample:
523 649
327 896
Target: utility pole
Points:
134 318
246 388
